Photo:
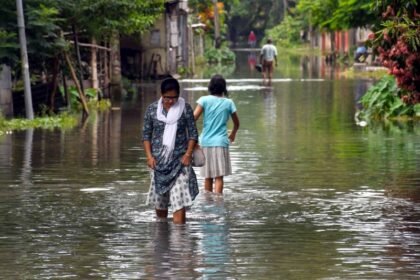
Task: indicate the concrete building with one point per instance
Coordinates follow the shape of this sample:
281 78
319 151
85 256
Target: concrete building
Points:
345 41
166 47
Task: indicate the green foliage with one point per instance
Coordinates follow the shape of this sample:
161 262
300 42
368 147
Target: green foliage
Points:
352 13
200 60
91 96
8 48
246 15
46 20
287 33
99 105
383 101
183 71
124 16
397 41
63 121
350 73
336 14
222 55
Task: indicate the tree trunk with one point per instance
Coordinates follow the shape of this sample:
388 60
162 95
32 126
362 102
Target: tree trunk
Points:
217 41
285 7
116 79
6 100
79 60
25 62
66 91
55 84
76 82
332 38
94 65
106 74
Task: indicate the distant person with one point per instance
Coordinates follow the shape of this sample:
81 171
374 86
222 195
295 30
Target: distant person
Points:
252 39
217 109
169 138
361 53
267 57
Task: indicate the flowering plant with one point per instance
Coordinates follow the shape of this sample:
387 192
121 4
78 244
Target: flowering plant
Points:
397 42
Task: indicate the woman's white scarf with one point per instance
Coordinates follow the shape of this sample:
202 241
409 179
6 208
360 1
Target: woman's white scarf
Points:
171 124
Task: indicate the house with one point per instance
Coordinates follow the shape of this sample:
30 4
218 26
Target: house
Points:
165 49
345 41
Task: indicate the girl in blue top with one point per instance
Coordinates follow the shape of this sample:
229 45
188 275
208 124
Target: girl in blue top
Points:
214 139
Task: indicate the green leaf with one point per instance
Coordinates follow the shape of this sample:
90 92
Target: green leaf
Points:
417 109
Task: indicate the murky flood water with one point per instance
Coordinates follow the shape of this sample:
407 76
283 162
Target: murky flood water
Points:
313 196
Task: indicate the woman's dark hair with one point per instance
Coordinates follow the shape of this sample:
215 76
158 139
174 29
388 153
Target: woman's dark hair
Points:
169 84
217 85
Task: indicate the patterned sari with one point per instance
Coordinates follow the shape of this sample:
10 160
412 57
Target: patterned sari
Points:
167 171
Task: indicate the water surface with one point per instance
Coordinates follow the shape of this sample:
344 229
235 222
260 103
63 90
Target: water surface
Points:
313 195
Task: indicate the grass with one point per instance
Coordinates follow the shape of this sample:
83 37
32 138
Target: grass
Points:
101 105
302 49
377 74
63 121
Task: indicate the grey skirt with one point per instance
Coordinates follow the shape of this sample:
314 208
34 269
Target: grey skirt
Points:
217 162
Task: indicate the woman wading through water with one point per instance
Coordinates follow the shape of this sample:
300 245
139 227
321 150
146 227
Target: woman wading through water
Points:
217 109
169 138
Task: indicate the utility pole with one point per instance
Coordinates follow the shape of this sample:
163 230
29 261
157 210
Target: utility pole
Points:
216 26
25 64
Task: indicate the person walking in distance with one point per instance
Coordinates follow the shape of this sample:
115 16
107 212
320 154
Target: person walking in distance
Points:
252 39
267 58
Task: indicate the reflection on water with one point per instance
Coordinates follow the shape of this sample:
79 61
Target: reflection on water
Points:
313 196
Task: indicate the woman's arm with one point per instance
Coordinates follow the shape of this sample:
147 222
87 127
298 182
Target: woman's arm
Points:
235 120
192 135
198 111
187 157
151 161
147 138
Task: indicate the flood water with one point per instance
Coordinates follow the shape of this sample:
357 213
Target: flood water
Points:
313 195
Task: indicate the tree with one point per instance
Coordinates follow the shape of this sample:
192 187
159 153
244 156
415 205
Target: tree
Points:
47 20
244 16
334 15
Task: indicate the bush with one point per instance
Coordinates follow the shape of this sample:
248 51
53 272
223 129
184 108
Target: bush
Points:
91 96
286 33
398 44
222 55
63 121
384 101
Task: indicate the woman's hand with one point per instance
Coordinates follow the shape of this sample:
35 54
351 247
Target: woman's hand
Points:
151 162
232 137
186 159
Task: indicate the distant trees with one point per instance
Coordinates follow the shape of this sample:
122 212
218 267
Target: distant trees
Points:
334 15
242 16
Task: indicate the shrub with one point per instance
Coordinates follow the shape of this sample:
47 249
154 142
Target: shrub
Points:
384 101
223 54
398 44
286 33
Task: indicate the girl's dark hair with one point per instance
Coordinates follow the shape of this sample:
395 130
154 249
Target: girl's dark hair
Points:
169 84
217 85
